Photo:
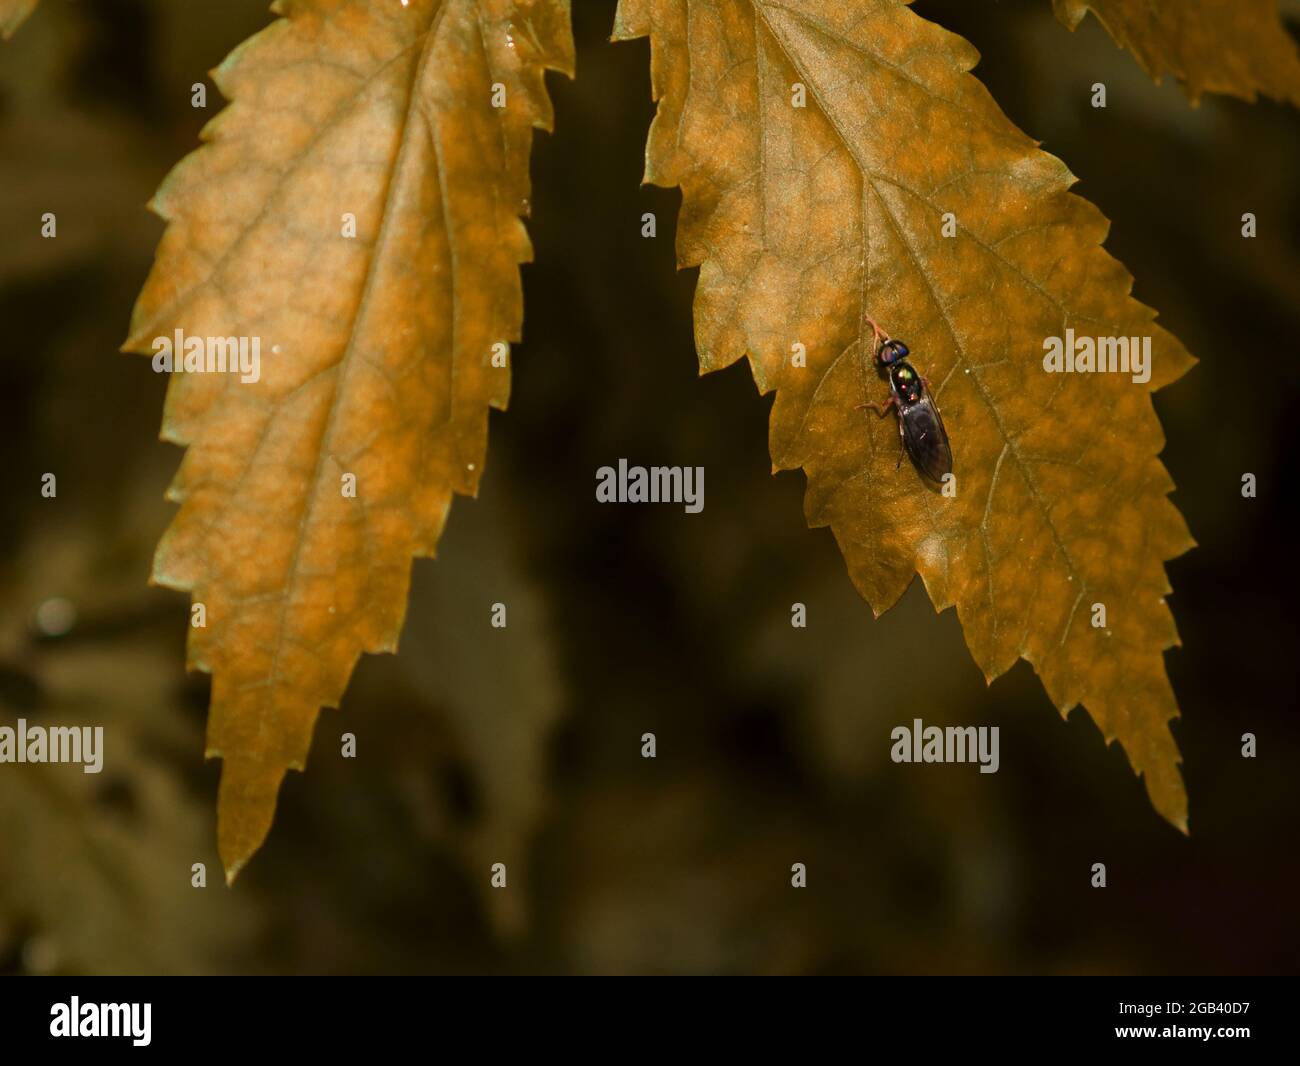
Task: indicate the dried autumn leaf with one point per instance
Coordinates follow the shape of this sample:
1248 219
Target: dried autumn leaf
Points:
13 13
1239 47
376 351
803 220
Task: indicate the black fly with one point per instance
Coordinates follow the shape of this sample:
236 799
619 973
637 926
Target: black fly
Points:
919 426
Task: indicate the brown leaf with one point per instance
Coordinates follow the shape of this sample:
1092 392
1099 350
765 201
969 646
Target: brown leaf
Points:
13 13
1238 47
803 221
376 351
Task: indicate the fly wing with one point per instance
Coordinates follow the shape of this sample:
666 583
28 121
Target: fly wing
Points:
926 439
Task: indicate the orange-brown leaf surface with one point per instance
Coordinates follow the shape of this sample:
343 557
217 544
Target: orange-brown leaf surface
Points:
1239 47
805 220
376 352
13 13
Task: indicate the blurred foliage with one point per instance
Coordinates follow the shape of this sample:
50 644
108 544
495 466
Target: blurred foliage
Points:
772 741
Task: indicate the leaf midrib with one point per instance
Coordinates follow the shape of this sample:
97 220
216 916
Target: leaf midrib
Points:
346 359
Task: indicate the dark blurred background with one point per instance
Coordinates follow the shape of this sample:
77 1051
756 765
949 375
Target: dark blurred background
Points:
523 746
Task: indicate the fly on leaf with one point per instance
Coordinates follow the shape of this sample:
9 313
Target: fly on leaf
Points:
920 427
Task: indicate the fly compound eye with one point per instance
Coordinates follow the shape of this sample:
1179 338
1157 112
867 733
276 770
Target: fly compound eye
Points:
892 351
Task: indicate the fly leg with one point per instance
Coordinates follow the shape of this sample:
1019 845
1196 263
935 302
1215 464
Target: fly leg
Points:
879 409
877 333
883 410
